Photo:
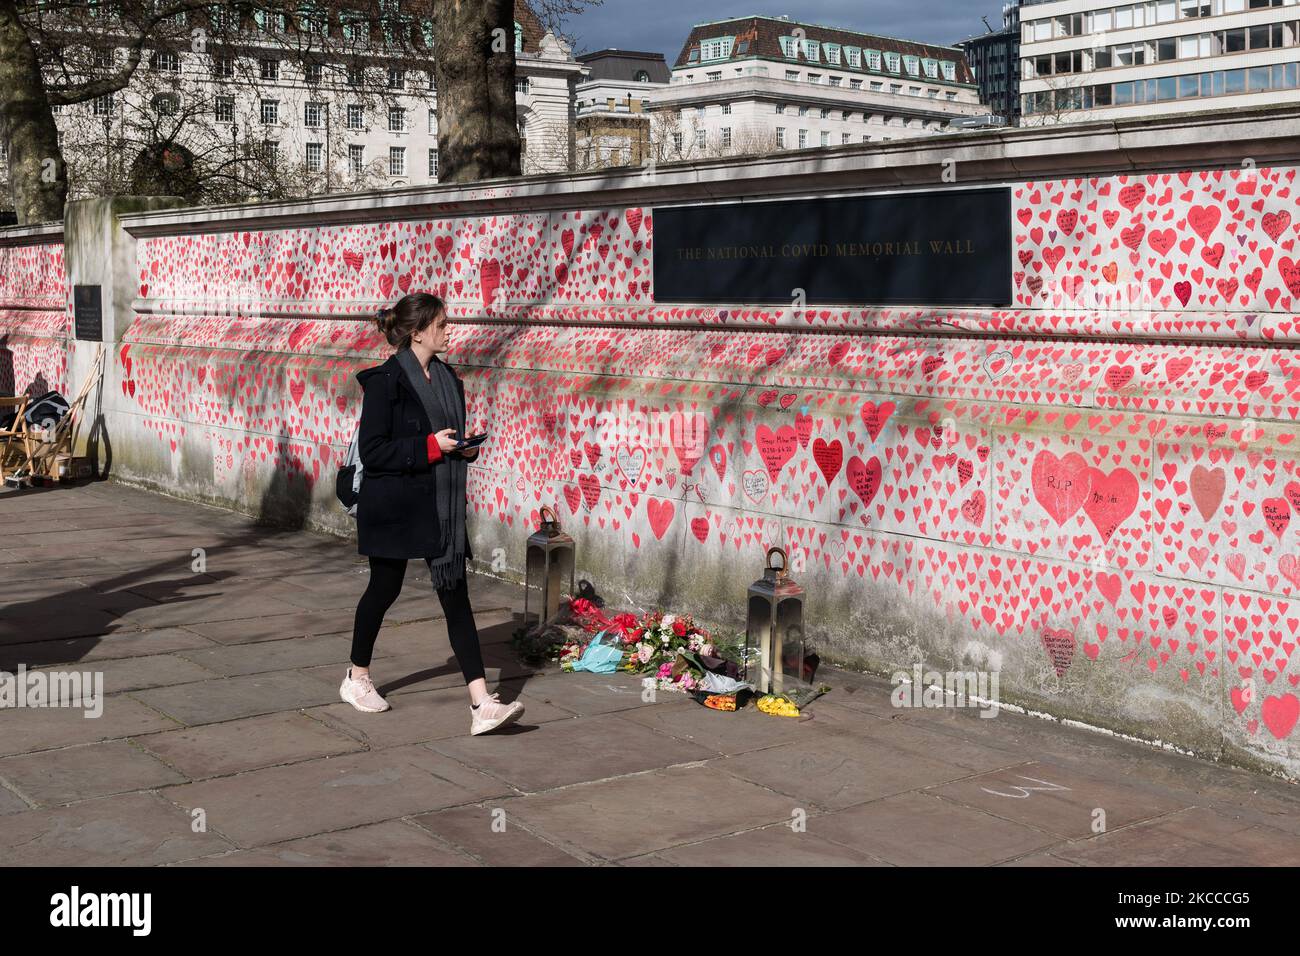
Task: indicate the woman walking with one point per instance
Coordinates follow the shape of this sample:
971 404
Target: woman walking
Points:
412 500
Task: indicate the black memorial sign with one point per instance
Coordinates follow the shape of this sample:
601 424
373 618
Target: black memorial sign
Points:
88 312
933 248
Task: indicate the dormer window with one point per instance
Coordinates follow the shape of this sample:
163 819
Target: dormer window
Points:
719 48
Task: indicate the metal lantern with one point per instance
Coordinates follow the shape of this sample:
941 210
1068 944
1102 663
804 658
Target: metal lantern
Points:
774 643
550 562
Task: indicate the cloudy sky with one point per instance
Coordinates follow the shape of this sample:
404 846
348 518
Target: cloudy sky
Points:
662 25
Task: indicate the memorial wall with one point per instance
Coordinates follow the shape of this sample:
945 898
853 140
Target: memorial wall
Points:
1037 416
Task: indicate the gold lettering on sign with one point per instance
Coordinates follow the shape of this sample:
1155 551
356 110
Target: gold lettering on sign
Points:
822 250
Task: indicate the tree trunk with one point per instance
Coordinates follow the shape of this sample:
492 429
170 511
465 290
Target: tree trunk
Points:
478 132
37 175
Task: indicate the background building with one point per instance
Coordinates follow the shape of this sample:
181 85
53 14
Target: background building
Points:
994 58
271 117
1089 59
612 107
756 84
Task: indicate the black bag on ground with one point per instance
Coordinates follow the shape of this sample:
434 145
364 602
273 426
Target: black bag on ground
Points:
47 411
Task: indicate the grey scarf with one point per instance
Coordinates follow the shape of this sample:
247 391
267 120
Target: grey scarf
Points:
442 403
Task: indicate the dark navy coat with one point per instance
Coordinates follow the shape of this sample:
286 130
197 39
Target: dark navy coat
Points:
397 512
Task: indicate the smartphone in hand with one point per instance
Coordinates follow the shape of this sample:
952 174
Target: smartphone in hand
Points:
473 441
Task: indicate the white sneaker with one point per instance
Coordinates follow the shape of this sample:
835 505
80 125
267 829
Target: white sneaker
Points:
491 714
361 694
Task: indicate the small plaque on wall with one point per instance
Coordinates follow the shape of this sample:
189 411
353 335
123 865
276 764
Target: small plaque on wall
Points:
88 312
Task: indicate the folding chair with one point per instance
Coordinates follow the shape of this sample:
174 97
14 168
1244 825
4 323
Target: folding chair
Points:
16 443
61 441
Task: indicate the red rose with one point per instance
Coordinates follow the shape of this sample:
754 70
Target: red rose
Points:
679 628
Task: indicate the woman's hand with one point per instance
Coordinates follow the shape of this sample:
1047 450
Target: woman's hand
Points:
447 440
469 454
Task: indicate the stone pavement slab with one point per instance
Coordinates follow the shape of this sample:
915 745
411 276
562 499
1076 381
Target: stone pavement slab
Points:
223 695
210 701
391 843
488 835
251 743
130 829
594 747
919 829
54 777
315 796
32 729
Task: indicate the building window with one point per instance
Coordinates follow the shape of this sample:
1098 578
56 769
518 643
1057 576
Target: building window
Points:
104 57
103 105
825 138
396 121
521 85
803 138
165 61
356 76
826 114
397 160
270 70
814 77
780 137
726 137
844 138
270 112
313 115
836 80
225 109
313 73
792 74
780 108
855 84
892 62
270 152
165 104
718 48
713 76
315 157
433 164
433 122
677 143
223 66
699 138
641 77
803 111
873 60
356 159
726 109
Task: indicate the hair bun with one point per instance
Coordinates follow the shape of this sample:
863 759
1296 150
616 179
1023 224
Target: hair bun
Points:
384 319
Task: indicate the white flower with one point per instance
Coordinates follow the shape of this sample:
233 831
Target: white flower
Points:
667 622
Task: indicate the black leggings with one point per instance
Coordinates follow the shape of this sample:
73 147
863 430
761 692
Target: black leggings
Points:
386 575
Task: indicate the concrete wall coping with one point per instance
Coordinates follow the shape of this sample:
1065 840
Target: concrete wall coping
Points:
31 235
1204 140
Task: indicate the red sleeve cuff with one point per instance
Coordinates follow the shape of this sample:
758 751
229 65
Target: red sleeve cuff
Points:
433 448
